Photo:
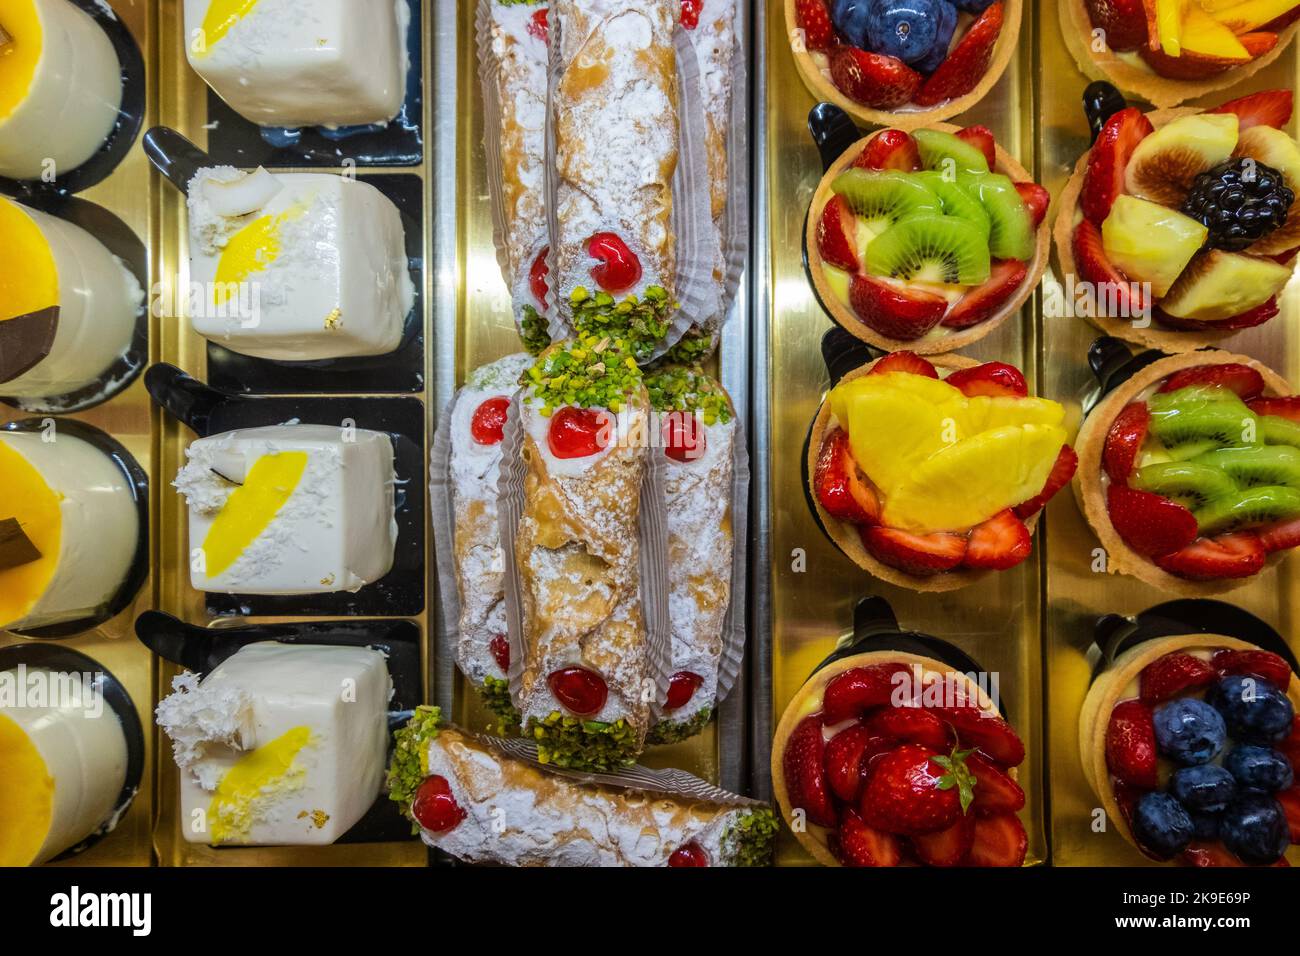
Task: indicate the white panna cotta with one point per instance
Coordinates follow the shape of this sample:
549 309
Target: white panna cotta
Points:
290 509
296 266
60 88
68 529
280 745
68 306
289 63
63 759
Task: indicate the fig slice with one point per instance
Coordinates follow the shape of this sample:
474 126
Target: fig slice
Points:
1164 164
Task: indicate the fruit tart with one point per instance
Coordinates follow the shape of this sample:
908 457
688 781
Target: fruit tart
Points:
1189 472
1170 51
902 62
887 759
926 240
1180 228
930 474
1191 744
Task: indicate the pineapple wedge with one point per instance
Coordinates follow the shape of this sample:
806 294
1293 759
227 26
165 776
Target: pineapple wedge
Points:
1219 285
1149 242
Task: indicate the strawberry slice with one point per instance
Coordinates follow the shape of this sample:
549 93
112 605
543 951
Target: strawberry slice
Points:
1036 200
904 361
1149 524
805 772
1067 462
982 302
1103 181
1124 22
984 731
981 137
841 488
1247 320
1265 664
1236 555
918 554
1288 407
857 844
1282 536
881 82
895 311
1124 440
1167 677
1290 800
946 847
836 232
1109 285
890 149
1242 379
1266 108
966 63
915 790
911 725
1000 543
995 791
847 754
991 378
814 18
1131 745
999 841
860 689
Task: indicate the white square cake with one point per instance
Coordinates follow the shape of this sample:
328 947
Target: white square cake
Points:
290 509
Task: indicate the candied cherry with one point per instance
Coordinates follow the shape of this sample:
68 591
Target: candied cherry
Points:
619 267
537 275
684 437
681 688
690 854
500 648
691 13
434 806
576 432
538 26
579 690
489 421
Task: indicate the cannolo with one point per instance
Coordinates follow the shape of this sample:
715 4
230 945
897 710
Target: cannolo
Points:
615 120
478 417
518 38
698 426
582 692
472 797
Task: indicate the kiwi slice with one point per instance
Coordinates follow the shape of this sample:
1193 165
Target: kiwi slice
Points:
1250 508
1190 483
883 197
1276 430
956 200
936 148
1011 235
931 248
1256 465
1197 415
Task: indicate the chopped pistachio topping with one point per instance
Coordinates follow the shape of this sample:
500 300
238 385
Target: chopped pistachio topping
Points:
694 347
534 331
496 697
591 371
748 840
679 389
642 321
410 763
583 744
675 731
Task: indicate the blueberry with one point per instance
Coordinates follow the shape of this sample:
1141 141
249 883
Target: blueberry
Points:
1255 710
943 37
1189 731
907 29
1254 828
851 19
1162 825
1259 768
1207 789
1206 826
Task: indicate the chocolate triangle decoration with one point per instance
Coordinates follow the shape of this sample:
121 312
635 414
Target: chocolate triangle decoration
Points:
16 549
25 341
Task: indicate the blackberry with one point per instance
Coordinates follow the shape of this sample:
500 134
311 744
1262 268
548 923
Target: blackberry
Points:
1240 201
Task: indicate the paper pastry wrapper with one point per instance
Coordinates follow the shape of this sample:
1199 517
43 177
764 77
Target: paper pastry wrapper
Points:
1114 684
1090 480
626 637
568 817
508 67
690 260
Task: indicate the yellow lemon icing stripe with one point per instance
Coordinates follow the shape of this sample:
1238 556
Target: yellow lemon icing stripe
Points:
251 509
36 507
267 771
251 250
29 279
221 17
19 59
26 799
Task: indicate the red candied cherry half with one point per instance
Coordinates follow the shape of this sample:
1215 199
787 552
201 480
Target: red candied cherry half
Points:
489 421
579 690
500 648
538 273
684 437
577 432
538 26
681 688
691 13
689 854
434 806
619 267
